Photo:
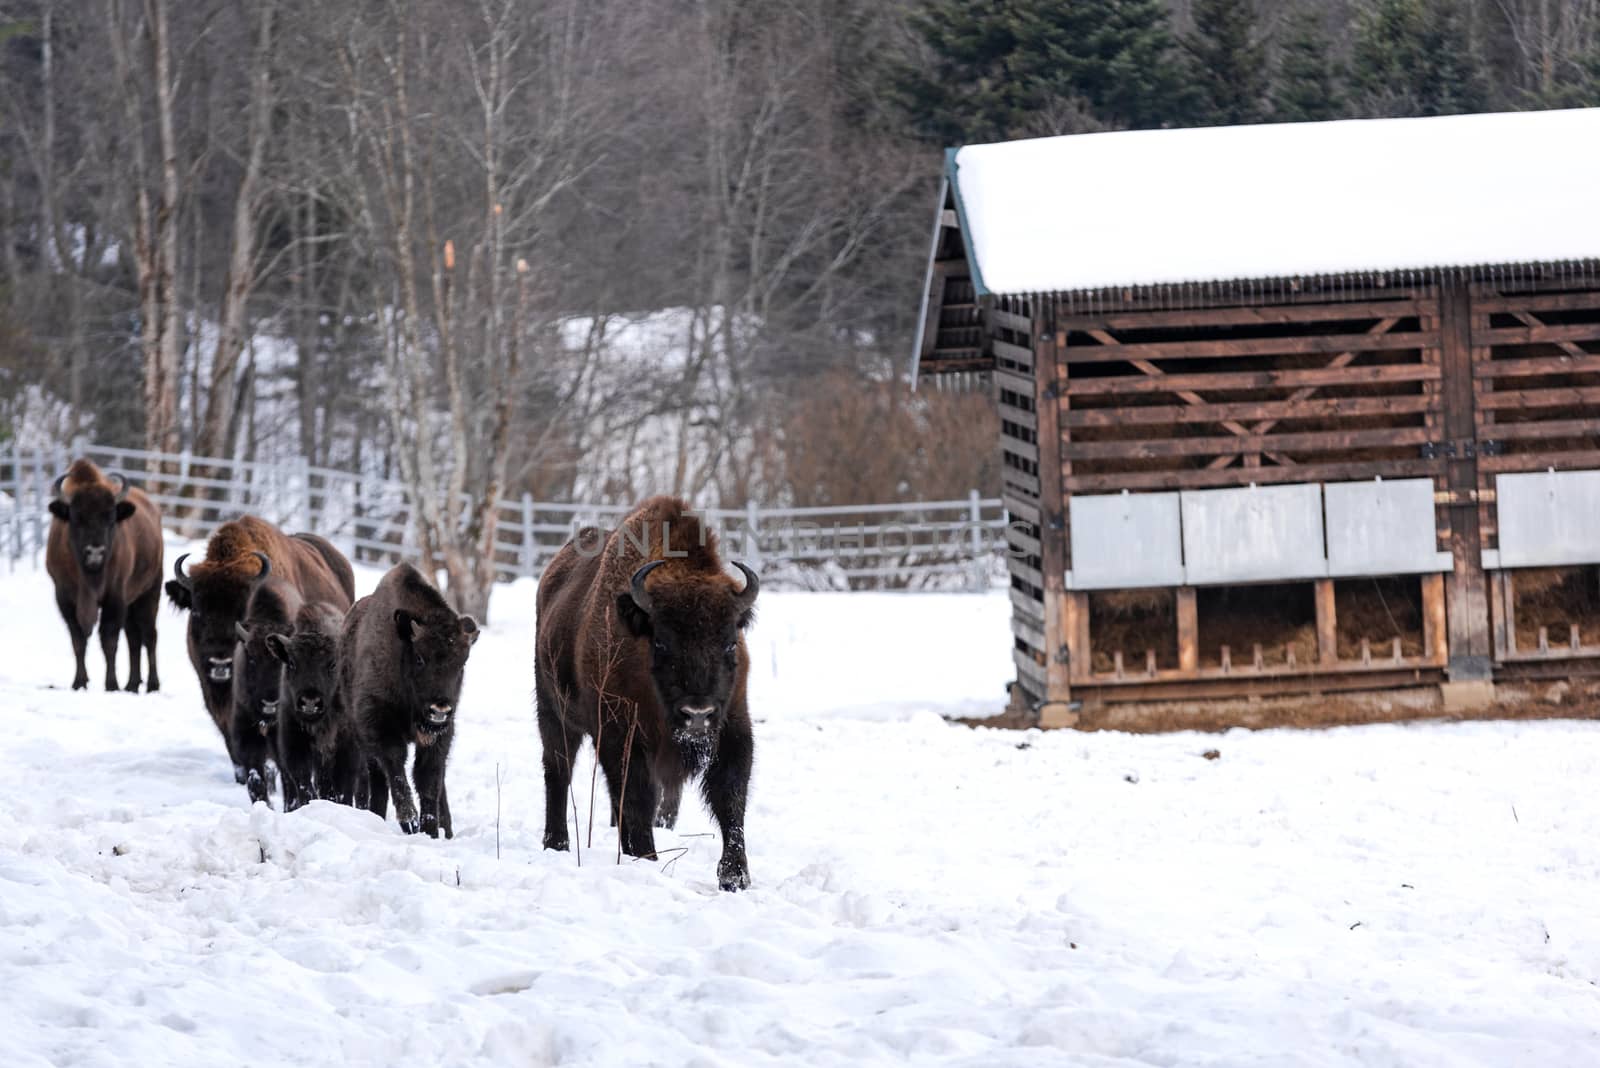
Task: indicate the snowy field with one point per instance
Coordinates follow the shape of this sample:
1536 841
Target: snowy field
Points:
1389 895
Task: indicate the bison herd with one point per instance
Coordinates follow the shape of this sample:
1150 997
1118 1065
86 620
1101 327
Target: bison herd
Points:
638 647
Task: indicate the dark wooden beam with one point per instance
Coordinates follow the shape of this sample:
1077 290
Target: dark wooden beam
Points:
1311 441
1201 478
1310 408
1244 315
1235 380
1255 346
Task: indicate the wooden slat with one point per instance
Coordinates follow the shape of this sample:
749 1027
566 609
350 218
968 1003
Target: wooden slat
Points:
1258 346
1020 449
1188 630
1018 540
1021 509
1028 607
1027 667
1537 302
1533 335
1314 441
1005 320
1538 461
1013 414
1028 631
1244 315
1026 483
1554 428
1543 365
1026 573
1015 353
1327 623
1231 380
1014 382
1310 408
1198 478
1564 397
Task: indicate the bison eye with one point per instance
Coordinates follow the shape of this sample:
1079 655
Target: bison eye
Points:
730 649
417 659
659 647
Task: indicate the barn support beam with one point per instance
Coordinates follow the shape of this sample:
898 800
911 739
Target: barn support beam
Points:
1467 586
1061 620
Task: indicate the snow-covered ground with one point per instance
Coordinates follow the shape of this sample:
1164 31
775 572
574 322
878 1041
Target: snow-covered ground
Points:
1391 895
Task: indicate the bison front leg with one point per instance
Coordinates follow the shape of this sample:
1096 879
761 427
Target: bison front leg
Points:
560 746
726 786
80 641
671 799
430 764
113 617
393 758
633 796
250 744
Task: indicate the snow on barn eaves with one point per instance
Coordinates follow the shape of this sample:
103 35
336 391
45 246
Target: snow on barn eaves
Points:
1157 207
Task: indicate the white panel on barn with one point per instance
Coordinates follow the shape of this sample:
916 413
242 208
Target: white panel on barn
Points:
1382 528
1547 519
1125 541
1255 534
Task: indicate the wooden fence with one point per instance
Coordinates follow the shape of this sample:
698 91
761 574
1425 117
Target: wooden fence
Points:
956 544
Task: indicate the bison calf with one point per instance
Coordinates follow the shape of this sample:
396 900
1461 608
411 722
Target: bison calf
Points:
401 658
104 556
319 755
640 647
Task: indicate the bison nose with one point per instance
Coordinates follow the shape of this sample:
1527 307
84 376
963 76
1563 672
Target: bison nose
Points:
221 668
310 705
439 712
94 555
696 718
269 709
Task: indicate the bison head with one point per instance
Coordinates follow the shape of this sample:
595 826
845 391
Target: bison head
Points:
257 673
92 513
310 663
433 657
216 601
693 627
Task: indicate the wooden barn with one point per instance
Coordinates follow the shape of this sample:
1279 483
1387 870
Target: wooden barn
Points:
1299 408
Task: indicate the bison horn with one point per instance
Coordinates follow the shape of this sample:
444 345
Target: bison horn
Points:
177 571
641 596
752 586
122 483
266 568
55 488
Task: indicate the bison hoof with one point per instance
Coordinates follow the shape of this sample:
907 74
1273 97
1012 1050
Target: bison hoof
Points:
133 686
430 826
411 826
152 686
80 684
557 842
733 876
239 774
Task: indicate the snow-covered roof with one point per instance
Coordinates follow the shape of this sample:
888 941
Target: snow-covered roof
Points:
1246 202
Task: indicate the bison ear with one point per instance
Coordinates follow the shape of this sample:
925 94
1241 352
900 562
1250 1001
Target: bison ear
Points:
278 647
405 624
634 618
124 510
469 627
179 595
59 509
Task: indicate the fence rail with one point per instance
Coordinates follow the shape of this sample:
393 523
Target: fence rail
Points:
901 545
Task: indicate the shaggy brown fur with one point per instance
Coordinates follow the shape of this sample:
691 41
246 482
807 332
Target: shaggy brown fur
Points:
105 556
216 592
631 676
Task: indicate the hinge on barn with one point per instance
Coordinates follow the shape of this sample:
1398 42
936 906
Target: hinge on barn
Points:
1434 450
1465 449
1052 390
1491 448
1063 655
1055 521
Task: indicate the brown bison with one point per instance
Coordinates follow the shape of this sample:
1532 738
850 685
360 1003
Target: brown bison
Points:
401 659
319 754
104 556
640 646
216 593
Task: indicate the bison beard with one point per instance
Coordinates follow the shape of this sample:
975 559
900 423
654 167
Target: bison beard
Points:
104 557
402 655
640 648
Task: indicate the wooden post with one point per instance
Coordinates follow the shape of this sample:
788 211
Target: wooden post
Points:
527 535
1327 623
1062 657
1188 631
1467 589
1080 654
1435 636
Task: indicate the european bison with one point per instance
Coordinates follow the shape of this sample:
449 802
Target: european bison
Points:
319 754
104 556
216 594
639 645
401 657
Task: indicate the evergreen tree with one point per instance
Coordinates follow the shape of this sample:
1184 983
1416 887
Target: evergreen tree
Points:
1417 57
1306 86
1228 57
996 68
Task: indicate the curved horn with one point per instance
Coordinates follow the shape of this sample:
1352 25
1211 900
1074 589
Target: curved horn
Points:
266 568
177 572
55 487
122 483
641 596
752 586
